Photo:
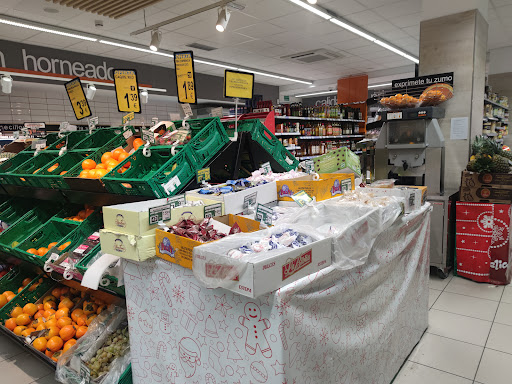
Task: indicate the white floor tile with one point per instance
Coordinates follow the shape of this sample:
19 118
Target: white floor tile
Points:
438 283
494 368
433 294
500 338
468 306
458 327
8 348
447 355
471 288
50 379
504 314
23 369
412 373
507 295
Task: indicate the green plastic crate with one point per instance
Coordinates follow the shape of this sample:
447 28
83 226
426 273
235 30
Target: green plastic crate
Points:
13 280
98 139
12 209
10 165
51 138
285 158
26 225
146 175
26 173
51 231
66 162
206 143
71 138
126 377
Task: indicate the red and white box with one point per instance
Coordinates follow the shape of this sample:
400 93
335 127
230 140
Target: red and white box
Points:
483 242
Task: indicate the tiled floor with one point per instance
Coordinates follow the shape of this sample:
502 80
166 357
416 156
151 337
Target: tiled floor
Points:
469 340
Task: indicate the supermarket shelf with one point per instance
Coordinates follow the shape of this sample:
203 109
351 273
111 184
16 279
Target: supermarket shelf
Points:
317 119
312 157
331 137
490 134
292 147
495 104
494 118
287 134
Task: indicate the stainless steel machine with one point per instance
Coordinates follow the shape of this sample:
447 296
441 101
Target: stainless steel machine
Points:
410 149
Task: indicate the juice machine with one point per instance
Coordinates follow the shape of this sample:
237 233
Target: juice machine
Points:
409 144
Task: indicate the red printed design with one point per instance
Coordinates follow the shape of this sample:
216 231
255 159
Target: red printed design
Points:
220 271
295 265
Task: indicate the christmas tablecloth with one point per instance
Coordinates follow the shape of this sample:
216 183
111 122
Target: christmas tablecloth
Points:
483 242
355 326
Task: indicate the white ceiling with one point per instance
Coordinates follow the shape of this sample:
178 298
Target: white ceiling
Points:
256 37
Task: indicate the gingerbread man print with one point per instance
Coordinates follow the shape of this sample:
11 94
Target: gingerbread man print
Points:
256 327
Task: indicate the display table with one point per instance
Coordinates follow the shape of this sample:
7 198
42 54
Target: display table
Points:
334 326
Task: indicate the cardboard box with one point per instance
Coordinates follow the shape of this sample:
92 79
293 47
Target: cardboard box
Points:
341 160
234 202
486 195
476 180
423 192
412 196
133 218
264 275
329 185
138 248
178 249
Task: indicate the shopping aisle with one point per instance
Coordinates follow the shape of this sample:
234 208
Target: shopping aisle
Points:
469 340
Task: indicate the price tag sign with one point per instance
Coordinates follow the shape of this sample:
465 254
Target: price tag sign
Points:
187 110
127 134
148 136
92 122
309 166
176 201
63 127
127 90
16 135
238 84
203 174
38 144
250 200
154 121
264 214
213 210
266 167
171 185
128 117
185 77
77 98
159 213
301 198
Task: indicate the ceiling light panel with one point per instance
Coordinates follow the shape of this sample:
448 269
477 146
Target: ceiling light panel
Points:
35 27
318 93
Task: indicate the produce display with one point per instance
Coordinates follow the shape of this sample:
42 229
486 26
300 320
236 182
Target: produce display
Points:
7 296
115 346
42 251
488 156
109 160
83 214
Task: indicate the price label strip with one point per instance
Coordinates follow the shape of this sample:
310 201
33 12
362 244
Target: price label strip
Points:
266 167
77 99
127 90
159 213
250 200
213 210
38 144
302 198
203 174
185 77
176 201
148 136
264 214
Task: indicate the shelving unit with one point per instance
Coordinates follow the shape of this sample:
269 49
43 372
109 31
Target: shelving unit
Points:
495 121
318 119
495 104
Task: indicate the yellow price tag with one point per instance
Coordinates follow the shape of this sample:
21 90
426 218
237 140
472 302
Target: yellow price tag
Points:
77 98
238 84
127 90
128 117
185 77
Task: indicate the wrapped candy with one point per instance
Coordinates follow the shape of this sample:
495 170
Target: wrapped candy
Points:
287 239
260 177
202 232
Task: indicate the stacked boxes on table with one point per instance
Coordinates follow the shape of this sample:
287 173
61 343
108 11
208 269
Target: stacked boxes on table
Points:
486 187
328 185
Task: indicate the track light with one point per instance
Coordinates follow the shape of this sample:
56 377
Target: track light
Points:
222 20
90 92
312 1
6 83
156 38
144 96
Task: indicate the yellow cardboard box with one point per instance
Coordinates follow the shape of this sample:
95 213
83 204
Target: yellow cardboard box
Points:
329 185
131 247
178 249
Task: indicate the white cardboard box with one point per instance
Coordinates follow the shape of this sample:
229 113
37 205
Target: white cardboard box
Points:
234 202
264 274
412 196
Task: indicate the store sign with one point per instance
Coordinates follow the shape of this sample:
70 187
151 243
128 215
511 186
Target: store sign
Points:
185 77
238 84
129 117
77 99
127 90
422 81
159 213
176 201
263 214
203 175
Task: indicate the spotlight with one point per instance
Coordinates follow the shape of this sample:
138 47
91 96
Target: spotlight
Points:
223 19
90 92
312 1
144 96
156 38
6 83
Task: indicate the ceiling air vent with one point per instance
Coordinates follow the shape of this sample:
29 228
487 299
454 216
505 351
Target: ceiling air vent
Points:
313 56
109 8
201 46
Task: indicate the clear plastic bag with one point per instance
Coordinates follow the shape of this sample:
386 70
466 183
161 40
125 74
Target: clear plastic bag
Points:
71 366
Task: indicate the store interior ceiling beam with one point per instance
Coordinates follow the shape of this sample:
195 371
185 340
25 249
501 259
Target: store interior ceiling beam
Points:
109 8
181 17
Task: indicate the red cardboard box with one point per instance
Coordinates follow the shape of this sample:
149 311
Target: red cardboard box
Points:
483 242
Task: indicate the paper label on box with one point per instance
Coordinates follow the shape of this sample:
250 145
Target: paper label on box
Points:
172 184
295 265
148 136
302 198
38 144
266 167
127 134
203 174
212 210
394 115
187 109
250 200
263 214
309 166
159 213
176 201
